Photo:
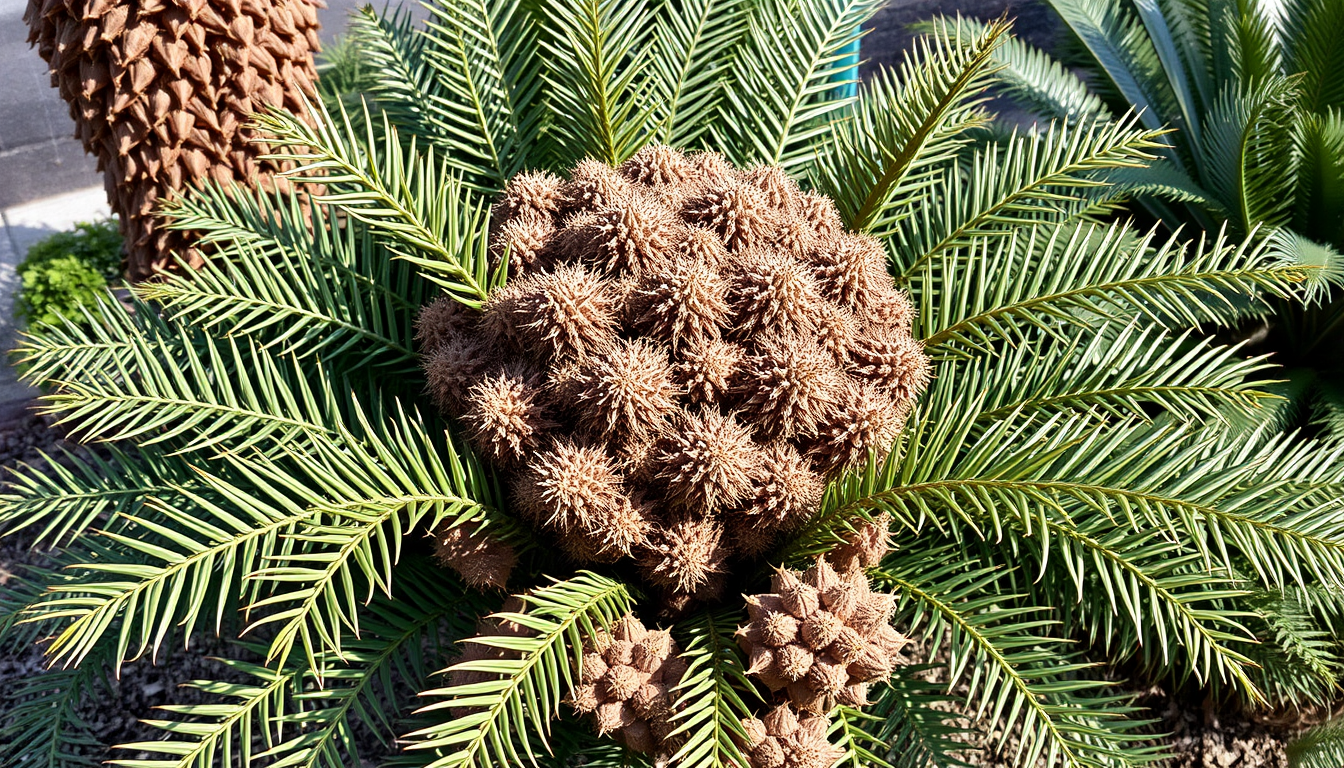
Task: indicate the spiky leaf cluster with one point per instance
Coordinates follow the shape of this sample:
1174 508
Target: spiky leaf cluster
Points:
683 354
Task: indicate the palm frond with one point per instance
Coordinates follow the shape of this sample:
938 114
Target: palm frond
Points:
1314 37
786 79
488 72
915 714
361 315
875 164
711 700
604 99
43 727
695 43
1127 60
1320 747
1124 371
852 730
192 393
65 497
1044 278
402 81
1018 679
1028 75
1247 153
509 717
413 204
362 500
1029 179
306 716
1319 144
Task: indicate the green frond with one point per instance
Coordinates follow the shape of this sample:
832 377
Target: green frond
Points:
903 126
1026 74
1297 659
401 81
1326 264
1320 747
1128 64
1046 278
509 718
1247 153
852 730
105 338
916 716
1314 38
1017 678
710 703
413 204
362 501
694 46
192 393
295 280
43 727
224 733
65 497
603 98
1028 180
488 112
294 538
1319 202
1123 371
305 717
786 79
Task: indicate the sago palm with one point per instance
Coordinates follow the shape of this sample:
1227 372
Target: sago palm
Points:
696 325
1251 92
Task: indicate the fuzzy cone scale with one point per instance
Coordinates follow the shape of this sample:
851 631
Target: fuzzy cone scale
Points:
684 354
160 91
626 683
821 637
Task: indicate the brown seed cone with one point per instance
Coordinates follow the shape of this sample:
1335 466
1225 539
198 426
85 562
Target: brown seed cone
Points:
736 210
708 347
707 370
706 460
891 359
819 635
161 96
684 554
772 292
626 680
480 559
444 319
866 546
680 302
504 415
785 739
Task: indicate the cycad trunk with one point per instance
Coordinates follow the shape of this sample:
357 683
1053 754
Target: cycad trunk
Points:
160 91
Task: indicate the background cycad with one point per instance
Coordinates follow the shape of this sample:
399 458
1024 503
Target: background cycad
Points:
1085 479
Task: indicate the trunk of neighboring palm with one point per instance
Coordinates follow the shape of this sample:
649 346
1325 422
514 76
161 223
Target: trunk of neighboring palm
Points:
160 92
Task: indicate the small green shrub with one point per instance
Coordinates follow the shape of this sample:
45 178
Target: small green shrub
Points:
66 271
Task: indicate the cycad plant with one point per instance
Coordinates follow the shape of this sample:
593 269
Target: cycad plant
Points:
712 386
1251 92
